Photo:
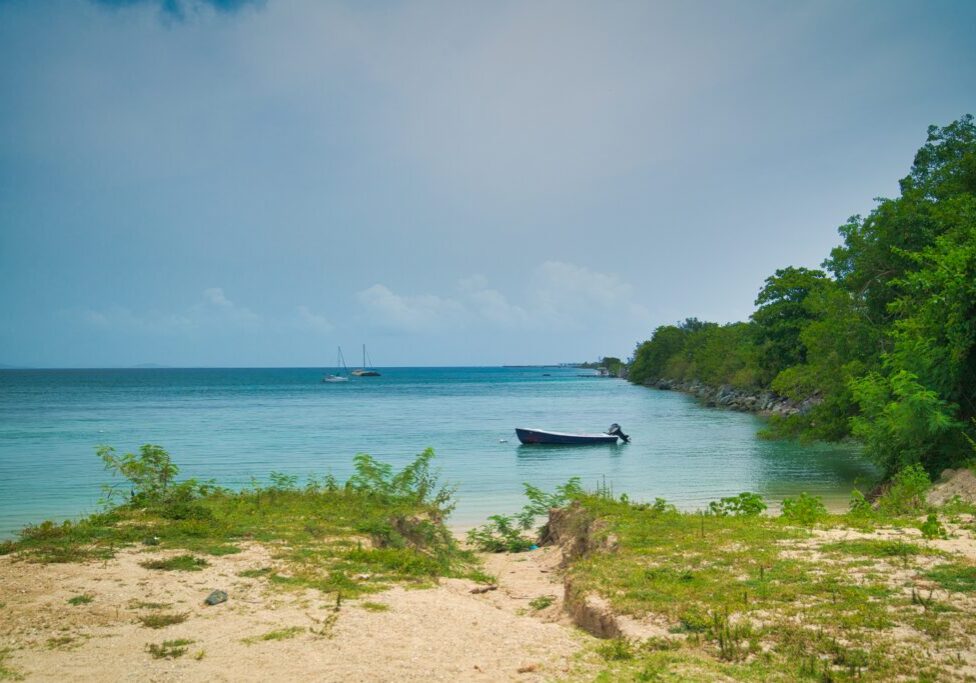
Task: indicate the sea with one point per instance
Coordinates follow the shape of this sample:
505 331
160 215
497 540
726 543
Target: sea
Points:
238 425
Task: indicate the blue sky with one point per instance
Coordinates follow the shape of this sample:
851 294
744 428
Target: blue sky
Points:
253 183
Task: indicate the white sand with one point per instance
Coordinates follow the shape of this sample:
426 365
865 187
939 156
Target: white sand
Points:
438 634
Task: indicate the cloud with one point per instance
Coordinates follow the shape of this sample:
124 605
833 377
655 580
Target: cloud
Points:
313 322
214 311
559 296
412 313
490 304
570 294
217 308
119 318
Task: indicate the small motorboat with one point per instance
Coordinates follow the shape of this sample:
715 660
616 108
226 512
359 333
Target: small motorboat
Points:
544 436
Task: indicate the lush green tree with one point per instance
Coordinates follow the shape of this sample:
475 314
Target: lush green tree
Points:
886 347
841 345
781 315
918 407
877 250
651 357
904 423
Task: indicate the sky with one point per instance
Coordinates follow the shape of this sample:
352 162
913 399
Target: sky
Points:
253 183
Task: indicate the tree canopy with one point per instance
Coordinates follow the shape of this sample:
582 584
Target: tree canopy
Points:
884 338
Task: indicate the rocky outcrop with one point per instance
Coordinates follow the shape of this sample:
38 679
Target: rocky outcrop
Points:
764 402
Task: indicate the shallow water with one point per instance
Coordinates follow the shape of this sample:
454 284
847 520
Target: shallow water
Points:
235 424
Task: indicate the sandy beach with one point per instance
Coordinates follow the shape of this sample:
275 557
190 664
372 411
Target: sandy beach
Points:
445 633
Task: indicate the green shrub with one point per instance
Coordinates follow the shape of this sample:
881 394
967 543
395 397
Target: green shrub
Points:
507 533
501 533
906 494
743 505
616 649
931 528
804 509
859 505
149 473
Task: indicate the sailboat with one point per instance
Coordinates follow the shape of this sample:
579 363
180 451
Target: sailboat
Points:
340 368
364 371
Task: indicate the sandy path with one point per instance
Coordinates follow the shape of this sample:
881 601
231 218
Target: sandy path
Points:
445 633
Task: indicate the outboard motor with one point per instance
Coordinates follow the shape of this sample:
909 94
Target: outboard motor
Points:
616 431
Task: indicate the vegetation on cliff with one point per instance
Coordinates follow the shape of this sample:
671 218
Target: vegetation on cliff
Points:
884 338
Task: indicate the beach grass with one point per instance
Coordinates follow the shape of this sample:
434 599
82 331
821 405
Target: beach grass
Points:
357 537
8 672
277 634
162 620
83 599
169 649
758 598
180 563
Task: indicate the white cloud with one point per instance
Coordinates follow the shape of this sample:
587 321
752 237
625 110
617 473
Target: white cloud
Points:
412 313
215 310
314 322
215 295
572 295
560 296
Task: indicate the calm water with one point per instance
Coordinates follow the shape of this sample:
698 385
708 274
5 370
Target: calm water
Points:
235 424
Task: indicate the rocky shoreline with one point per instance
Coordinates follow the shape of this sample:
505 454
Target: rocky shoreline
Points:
764 403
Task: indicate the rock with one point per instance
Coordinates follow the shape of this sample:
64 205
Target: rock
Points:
152 540
216 597
478 590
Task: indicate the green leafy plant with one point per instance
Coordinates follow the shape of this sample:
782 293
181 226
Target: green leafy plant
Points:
501 533
507 533
932 528
804 509
83 599
541 602
149 473
906 494
859 505
745 504
616 649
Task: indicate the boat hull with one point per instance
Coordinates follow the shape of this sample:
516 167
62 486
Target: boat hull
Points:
541 436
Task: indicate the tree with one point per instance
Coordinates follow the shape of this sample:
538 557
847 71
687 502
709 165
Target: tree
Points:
781 317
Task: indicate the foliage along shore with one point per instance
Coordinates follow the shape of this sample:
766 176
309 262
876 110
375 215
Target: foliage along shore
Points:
764 403
886 591
351 538
881 344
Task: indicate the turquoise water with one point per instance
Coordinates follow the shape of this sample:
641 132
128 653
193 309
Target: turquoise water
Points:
235 424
